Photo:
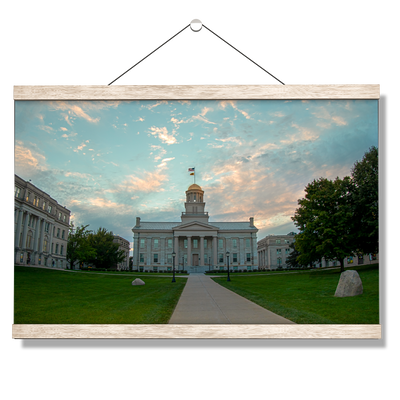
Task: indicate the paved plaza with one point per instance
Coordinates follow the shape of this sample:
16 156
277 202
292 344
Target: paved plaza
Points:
203 301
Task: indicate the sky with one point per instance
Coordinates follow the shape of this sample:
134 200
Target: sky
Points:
109 162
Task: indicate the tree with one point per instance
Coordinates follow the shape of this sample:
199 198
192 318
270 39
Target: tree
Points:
366 206
291 259
107 253
325 221
78 247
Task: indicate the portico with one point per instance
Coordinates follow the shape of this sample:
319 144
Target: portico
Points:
199 245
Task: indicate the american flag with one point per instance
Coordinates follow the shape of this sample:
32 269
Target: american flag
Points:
191 169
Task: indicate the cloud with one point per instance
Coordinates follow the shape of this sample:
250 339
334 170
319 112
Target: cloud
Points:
78 175
233 104
77 111
28 160
163 135
148 182
80 147
63 129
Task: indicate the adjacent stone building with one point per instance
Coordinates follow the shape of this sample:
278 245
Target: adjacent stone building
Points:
40 227
124 246
199 245
273 251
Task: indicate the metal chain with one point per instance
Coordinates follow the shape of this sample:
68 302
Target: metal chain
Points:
176 34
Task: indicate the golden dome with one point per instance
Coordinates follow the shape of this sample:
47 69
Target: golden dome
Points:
195 187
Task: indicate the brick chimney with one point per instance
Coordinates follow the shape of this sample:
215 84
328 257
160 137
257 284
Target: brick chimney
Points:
252 221
137 222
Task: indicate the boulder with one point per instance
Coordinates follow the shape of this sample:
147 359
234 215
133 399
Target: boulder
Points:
349 284
137 281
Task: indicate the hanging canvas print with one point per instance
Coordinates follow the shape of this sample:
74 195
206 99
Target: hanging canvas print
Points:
238 181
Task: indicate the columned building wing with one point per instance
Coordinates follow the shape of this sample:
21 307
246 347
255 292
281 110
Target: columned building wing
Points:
198 244
40 227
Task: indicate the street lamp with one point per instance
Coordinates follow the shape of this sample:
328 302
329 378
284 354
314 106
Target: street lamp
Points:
227 259
173 266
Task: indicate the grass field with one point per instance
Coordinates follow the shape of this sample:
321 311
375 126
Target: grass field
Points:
308 297
43 296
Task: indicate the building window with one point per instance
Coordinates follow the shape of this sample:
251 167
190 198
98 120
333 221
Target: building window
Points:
21 258
52 248
39 260
247 242
169 243
221 258
194 197
248 257
36 201
234 257
278 241
49 208
28 241
58 232
63 234
206 260
155 269
278 251
155 258
17 191
30 220
279 261
205 243
59 216
46 226
56 248
61 249
287 251
169 258
142 241
221 243
141 257
234 243
185 243
195 243
27 196
64 218
45 245
350 260
44 205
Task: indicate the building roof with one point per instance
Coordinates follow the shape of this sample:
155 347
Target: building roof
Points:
170 225
195 187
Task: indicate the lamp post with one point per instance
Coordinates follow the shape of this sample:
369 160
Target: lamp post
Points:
227 259
209 263
183 263
173 266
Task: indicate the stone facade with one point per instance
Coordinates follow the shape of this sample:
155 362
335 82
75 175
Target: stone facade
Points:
274 249
124 246
199 245
40 227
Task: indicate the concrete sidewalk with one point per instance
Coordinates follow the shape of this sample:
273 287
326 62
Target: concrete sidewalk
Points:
205 302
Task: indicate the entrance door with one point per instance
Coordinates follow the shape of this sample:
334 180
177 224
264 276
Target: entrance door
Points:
195 260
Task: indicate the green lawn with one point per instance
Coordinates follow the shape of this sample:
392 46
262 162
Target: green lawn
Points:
43 296
308 297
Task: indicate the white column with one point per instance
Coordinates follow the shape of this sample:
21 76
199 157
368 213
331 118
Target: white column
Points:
18 230
215 250
149 261
201 251
41 236
242 252
36 237
23 244
162 250
189 250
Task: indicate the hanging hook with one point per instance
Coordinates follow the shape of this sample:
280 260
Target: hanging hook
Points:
196 25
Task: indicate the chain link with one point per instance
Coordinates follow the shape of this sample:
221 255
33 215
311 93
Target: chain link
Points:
176 34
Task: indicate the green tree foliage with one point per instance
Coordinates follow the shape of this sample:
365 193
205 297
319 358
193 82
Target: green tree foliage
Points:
107 253
340 218
365 195
291 259
78 247
325 219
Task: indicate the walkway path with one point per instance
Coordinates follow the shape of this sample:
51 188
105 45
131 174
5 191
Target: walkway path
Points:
203 301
